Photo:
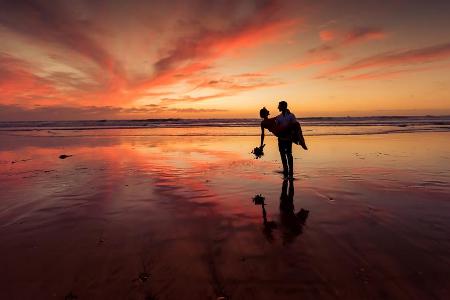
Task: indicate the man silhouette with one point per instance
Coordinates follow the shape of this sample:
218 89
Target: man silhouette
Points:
285 119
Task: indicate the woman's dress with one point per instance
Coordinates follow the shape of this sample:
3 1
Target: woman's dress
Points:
292 132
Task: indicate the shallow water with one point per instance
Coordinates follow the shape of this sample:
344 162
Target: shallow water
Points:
130 215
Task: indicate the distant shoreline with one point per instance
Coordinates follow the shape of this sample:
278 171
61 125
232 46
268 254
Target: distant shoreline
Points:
236 119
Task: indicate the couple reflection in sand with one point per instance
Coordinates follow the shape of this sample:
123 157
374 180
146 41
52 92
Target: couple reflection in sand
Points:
290 223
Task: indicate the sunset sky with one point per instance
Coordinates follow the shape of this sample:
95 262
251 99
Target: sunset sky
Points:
226 59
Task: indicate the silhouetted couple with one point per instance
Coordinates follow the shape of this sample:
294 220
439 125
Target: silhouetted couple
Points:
288 130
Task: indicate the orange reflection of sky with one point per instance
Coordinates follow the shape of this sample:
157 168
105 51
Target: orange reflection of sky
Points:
220 166
183 202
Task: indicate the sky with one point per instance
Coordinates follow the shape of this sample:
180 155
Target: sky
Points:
70 60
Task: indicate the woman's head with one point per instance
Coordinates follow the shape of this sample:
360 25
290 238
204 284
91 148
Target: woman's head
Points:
263 113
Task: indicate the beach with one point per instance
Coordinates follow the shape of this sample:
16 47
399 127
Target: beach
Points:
170 213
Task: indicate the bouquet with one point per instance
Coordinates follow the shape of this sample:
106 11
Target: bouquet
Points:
259 199
258 151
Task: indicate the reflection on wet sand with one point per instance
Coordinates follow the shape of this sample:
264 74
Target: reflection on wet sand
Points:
170 217
268 226
291 223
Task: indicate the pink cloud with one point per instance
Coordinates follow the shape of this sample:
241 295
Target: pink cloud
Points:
74 38
327 35
206 45
392 59
18 83
209 46
336 40
312 58
389 74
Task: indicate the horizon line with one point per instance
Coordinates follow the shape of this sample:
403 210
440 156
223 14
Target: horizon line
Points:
165 119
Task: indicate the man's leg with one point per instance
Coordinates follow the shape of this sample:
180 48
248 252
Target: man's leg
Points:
282 149
290 159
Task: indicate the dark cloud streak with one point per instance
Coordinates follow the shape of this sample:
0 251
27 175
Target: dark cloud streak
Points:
51 22
393 59
43 113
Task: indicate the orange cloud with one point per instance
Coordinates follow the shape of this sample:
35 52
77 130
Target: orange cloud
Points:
239 82
327 35
334 41
195 110
168 101
312 58
204 49
78 40
19 84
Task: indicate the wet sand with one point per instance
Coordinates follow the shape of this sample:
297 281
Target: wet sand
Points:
139 217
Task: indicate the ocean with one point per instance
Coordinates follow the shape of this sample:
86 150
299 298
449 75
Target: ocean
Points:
230 127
